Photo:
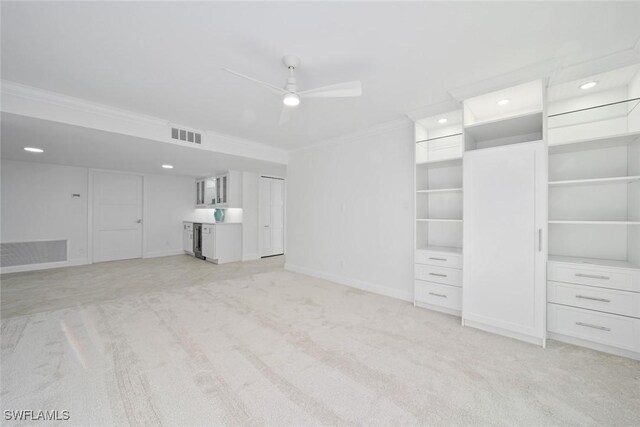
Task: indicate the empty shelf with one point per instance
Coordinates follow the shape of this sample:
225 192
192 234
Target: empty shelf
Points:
592 261
441 190
596 222
444 249
590 181
438 220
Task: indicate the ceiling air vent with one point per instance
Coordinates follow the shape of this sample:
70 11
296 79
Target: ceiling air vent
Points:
185 135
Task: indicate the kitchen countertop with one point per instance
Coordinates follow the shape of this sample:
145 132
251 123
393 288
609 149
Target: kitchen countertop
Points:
212 223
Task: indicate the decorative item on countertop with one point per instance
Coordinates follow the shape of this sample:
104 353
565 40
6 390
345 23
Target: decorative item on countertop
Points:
219 215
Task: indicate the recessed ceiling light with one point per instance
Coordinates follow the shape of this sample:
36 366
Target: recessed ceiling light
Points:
588 85
167 166
503 102
291 100
443 121
34 150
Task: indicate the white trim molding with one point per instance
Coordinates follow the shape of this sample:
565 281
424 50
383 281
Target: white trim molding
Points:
353 283
364 133
44 266
159 254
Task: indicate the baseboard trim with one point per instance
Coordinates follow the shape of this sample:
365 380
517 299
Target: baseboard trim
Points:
250 257
504 332
450 311
594 346
44 266
353 283
159 254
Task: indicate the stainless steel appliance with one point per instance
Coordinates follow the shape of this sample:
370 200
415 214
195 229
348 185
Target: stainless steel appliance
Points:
197 240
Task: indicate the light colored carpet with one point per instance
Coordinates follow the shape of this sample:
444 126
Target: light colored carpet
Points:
279 348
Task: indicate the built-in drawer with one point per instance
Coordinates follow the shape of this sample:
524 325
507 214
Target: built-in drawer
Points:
608 329
601 299
605 277
442 259
440 295
442 275
188 226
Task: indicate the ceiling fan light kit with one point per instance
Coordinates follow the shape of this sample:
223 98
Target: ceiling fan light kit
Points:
291 96
291 100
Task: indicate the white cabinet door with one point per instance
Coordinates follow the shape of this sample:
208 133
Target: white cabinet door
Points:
271 216
187 238
209 241
210 192
200 193
504 252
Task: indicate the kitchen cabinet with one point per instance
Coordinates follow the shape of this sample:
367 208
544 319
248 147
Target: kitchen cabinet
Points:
229 190
222 242
200 193
220 191
187 237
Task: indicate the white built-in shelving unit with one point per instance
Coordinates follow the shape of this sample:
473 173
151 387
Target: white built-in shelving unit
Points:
529 196
594 211
438 225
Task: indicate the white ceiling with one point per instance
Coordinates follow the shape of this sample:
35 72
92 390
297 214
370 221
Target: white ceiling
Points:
83 147
163 58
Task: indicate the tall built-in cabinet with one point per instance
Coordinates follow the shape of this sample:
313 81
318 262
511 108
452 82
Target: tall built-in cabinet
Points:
528 212
505 213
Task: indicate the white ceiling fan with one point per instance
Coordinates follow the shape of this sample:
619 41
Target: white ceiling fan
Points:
291 95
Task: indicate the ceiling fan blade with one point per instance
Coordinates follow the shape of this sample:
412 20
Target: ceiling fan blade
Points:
273 88
339 90
285 115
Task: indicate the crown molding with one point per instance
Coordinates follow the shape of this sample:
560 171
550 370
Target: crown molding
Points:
347 138
593 66
434 109
553 71
522 75
77 104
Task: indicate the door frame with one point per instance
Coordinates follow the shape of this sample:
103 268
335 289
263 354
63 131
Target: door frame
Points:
90 198
284 215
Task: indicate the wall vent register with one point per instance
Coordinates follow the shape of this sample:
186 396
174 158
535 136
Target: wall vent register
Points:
28 253
186 135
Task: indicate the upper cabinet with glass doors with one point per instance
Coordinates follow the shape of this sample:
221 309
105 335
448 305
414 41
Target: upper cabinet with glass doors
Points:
220 191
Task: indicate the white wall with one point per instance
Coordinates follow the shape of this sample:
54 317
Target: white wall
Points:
250 230
37 204
168 200
350 211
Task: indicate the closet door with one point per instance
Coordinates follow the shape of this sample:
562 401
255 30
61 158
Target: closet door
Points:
504 240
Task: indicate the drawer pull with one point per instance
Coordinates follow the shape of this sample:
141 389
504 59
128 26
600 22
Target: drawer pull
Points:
437 295
602 328
437 274
438 259
592 298
592 276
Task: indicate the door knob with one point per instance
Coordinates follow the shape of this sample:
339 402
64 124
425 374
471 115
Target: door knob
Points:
139 221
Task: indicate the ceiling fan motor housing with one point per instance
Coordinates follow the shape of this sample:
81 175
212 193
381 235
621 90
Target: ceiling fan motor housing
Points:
291 61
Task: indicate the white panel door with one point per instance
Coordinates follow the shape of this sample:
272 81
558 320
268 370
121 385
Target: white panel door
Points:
117 216
504 226
271 216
